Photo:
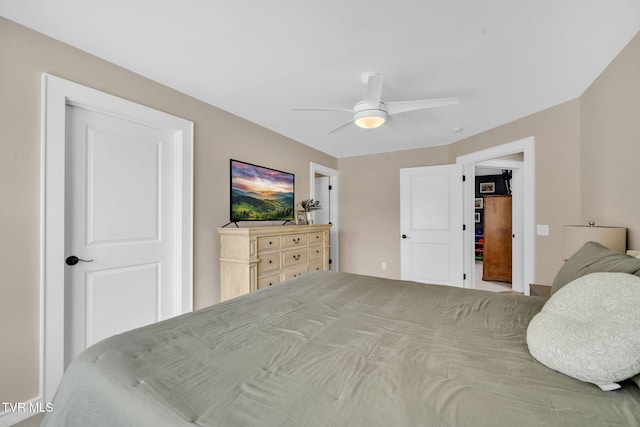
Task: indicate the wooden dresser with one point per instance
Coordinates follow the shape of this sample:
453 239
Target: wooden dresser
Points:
497 261
255 257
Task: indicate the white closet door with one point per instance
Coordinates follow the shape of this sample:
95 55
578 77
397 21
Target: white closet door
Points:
431 224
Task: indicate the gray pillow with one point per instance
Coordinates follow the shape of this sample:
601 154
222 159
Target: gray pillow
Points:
636 379
590 329
593 258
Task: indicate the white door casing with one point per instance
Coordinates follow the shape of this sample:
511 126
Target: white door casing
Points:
515 166
524 220
119 214
329 211
57 95
431 224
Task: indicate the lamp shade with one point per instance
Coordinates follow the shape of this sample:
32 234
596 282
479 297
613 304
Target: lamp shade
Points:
575 236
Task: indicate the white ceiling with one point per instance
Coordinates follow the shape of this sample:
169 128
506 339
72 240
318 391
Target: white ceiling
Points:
257 59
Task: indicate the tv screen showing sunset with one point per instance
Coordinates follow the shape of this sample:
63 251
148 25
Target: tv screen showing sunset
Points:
260 194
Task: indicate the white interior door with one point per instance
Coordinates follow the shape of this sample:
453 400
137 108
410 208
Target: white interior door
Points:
322 216
431 224
57 94
324 187
120 216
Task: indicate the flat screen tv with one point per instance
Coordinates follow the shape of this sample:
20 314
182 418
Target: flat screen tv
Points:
259 193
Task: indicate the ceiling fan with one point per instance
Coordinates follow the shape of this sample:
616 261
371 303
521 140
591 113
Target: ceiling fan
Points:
372 112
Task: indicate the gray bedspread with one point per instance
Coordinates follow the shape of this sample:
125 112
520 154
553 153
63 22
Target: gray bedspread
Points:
335 349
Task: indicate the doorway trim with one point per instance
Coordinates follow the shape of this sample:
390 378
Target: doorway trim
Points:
525 185
315 168
515 166
56 94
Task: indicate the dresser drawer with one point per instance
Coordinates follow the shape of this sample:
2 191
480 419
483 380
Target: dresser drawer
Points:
316 238
294 257
269 262
268 242
291 240
316 265
266 281
316 252
294 272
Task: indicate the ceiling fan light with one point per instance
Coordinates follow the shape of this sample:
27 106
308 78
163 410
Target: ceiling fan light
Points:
370 119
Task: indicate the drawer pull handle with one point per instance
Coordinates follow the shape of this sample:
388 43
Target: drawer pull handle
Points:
296 257
270 262
297 240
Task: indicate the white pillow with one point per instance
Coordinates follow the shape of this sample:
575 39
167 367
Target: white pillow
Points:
590 329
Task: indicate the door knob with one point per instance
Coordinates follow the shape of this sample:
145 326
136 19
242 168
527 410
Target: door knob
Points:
73 260
404 236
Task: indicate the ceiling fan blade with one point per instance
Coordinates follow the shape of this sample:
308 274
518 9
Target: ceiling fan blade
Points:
341 126
392 123
373 93
421 104
321 109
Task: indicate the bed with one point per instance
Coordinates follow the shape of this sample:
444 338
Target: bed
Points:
336 349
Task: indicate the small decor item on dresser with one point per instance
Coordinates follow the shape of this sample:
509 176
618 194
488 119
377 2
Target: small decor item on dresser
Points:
305 216
301 218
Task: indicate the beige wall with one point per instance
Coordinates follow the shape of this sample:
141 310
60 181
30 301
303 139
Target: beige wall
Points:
610 129
24 56
370 208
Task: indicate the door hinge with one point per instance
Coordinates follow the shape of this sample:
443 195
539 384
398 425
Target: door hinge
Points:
330 261
464 178
330 188
464 227
464 276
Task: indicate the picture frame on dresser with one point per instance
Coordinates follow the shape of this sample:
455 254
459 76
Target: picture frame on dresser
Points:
301 218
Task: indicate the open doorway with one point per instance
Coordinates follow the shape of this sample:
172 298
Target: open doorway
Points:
324 188
493 227
519 157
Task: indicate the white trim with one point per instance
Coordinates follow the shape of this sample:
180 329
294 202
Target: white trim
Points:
517 209
525 182
333 206
56 94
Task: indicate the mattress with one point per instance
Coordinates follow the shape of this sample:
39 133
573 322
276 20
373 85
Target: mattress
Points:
336 349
